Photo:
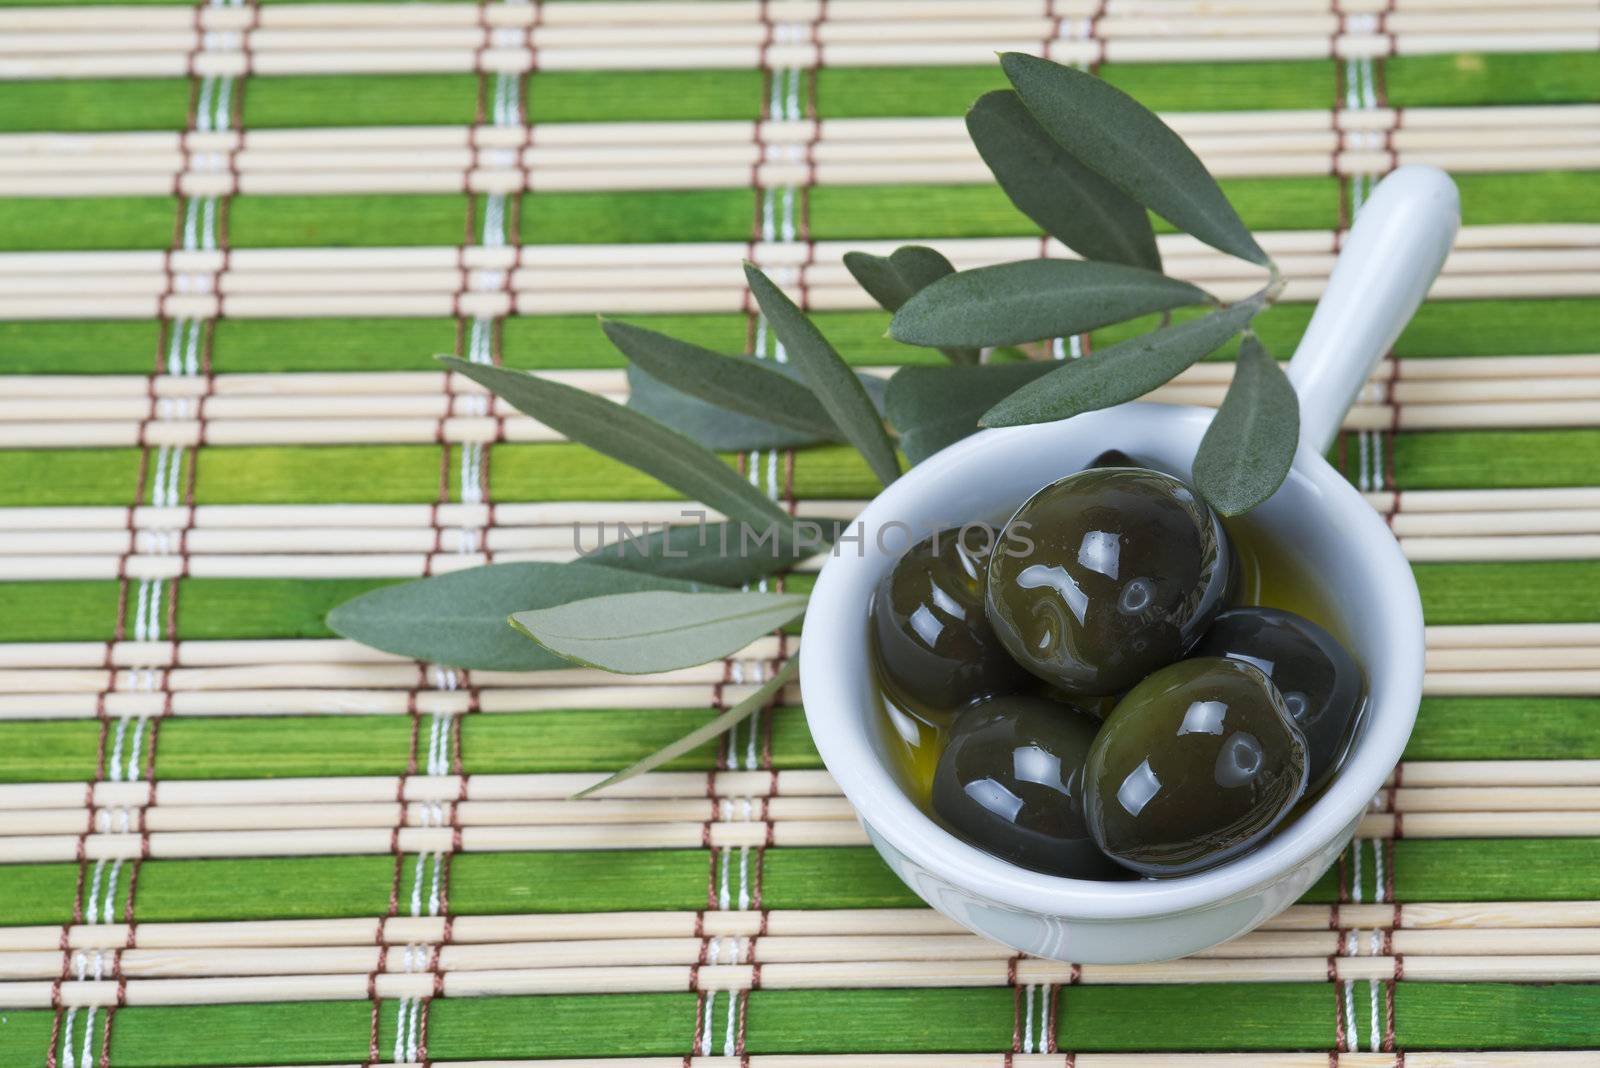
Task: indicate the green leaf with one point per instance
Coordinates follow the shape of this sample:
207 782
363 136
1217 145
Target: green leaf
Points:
894 279
1069 201
640 633
933 407
1030 300
1251 442
634 439
1127 144
725 554
830 378
769 692
1124 372
460 618
740 384
726 431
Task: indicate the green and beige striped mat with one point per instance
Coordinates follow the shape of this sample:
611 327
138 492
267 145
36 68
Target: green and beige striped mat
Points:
235 234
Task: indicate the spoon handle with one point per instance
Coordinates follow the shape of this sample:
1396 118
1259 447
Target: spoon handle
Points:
1391 256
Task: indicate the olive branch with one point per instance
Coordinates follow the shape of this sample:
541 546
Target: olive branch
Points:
1084 161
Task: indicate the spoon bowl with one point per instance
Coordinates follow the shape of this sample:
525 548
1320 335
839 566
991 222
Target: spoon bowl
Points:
1317 519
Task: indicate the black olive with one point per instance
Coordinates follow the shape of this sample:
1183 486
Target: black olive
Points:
1197 764
1106 575
935 647
1322 685
1010 781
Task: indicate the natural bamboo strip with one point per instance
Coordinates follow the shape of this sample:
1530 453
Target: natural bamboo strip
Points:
790 976
325 702
341 422
355 560
712 145
1414 919
704 298
367 702
1407 380
397 674
591 16
1202 268
128 844
1538 785
77 398
1414 1059
147 963
1416 506
1450 805
405 173
860 45
964 252
425 789
959 47
1454 535
932 27
1423 127
566 814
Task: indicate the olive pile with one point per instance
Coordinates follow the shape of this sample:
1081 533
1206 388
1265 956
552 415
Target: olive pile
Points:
1105 712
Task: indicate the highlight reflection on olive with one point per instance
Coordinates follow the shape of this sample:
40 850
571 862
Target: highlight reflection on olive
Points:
935 646
1010 781
1322 685
1198 763
1106 575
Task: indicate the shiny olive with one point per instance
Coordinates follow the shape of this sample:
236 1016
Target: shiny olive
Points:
1010 781
1196 765
1323 686
1106 575
935 647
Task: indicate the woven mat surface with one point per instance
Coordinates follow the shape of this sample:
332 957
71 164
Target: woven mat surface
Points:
232 237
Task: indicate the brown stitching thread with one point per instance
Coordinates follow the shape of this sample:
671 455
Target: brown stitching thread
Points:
1340 1033
1016 1007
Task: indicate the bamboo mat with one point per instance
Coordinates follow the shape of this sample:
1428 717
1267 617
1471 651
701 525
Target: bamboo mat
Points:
232 236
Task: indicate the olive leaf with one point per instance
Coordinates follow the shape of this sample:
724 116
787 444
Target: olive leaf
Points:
769 691
830 378
1127 144
894 279
1030 300
644 632
932 407
460 618
746 386
1124 372
1069 201
633 439
1251 442
724 431
725 553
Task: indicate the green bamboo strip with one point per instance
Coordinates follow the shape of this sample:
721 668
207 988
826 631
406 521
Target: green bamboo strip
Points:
367 100
241 346
380 474
1542 591
94 104
1434 460
1523 869
843 92
1448 728
1197 1017
657 216
1506 728
1434 81
644 96
70 224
